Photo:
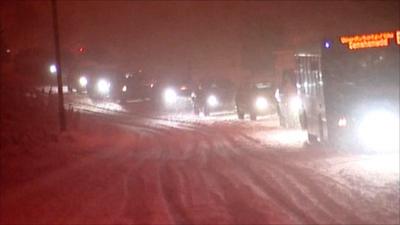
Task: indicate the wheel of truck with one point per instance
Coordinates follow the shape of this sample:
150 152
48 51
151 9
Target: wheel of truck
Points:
253 116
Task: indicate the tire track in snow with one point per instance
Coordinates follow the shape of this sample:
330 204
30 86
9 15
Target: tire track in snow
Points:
225 156
297 177
290 204
233 158
273 190
134 204
169 178
243 202
283 174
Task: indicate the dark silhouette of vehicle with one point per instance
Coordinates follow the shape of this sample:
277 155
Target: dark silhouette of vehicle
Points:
215 96
255 99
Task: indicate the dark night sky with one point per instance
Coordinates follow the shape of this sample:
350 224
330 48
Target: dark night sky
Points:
205 38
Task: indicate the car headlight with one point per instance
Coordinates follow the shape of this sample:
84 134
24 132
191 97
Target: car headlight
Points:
212 101
261 103
170 96
342 122
295 103
103 86
379 130
83 81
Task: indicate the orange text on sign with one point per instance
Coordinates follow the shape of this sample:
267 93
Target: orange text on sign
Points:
368 40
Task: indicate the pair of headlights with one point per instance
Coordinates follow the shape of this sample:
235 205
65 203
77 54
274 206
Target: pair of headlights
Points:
102 86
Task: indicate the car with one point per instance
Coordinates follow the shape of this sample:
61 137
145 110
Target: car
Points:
101 87
255 99
213 97
172 95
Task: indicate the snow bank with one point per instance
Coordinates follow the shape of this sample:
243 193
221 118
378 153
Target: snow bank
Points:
31 143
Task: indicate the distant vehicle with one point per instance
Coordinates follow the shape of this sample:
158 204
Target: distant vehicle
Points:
213 97
136 88
350 94
173 94
255 99
110 86
78 84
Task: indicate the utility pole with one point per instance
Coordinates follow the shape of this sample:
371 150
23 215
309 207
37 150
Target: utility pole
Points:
61 110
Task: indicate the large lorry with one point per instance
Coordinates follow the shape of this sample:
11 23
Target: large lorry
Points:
350 92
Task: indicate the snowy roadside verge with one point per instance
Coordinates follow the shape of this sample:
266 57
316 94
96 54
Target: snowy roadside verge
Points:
33 147
21 164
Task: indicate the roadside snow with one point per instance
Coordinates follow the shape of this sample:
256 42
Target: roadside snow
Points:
31 144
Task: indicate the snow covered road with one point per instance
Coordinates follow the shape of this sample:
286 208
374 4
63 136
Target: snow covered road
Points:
186 170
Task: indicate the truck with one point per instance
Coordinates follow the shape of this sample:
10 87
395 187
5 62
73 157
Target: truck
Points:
350 91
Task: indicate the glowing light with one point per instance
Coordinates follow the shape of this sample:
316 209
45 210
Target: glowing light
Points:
124 88
368 40
103 86
295 103
170 96
379 131
398 37
212 101
261 103
342 122
53 69
327 44
83 81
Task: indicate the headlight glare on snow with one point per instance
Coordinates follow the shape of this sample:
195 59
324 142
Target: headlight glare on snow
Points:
261 103
212 101
379 131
